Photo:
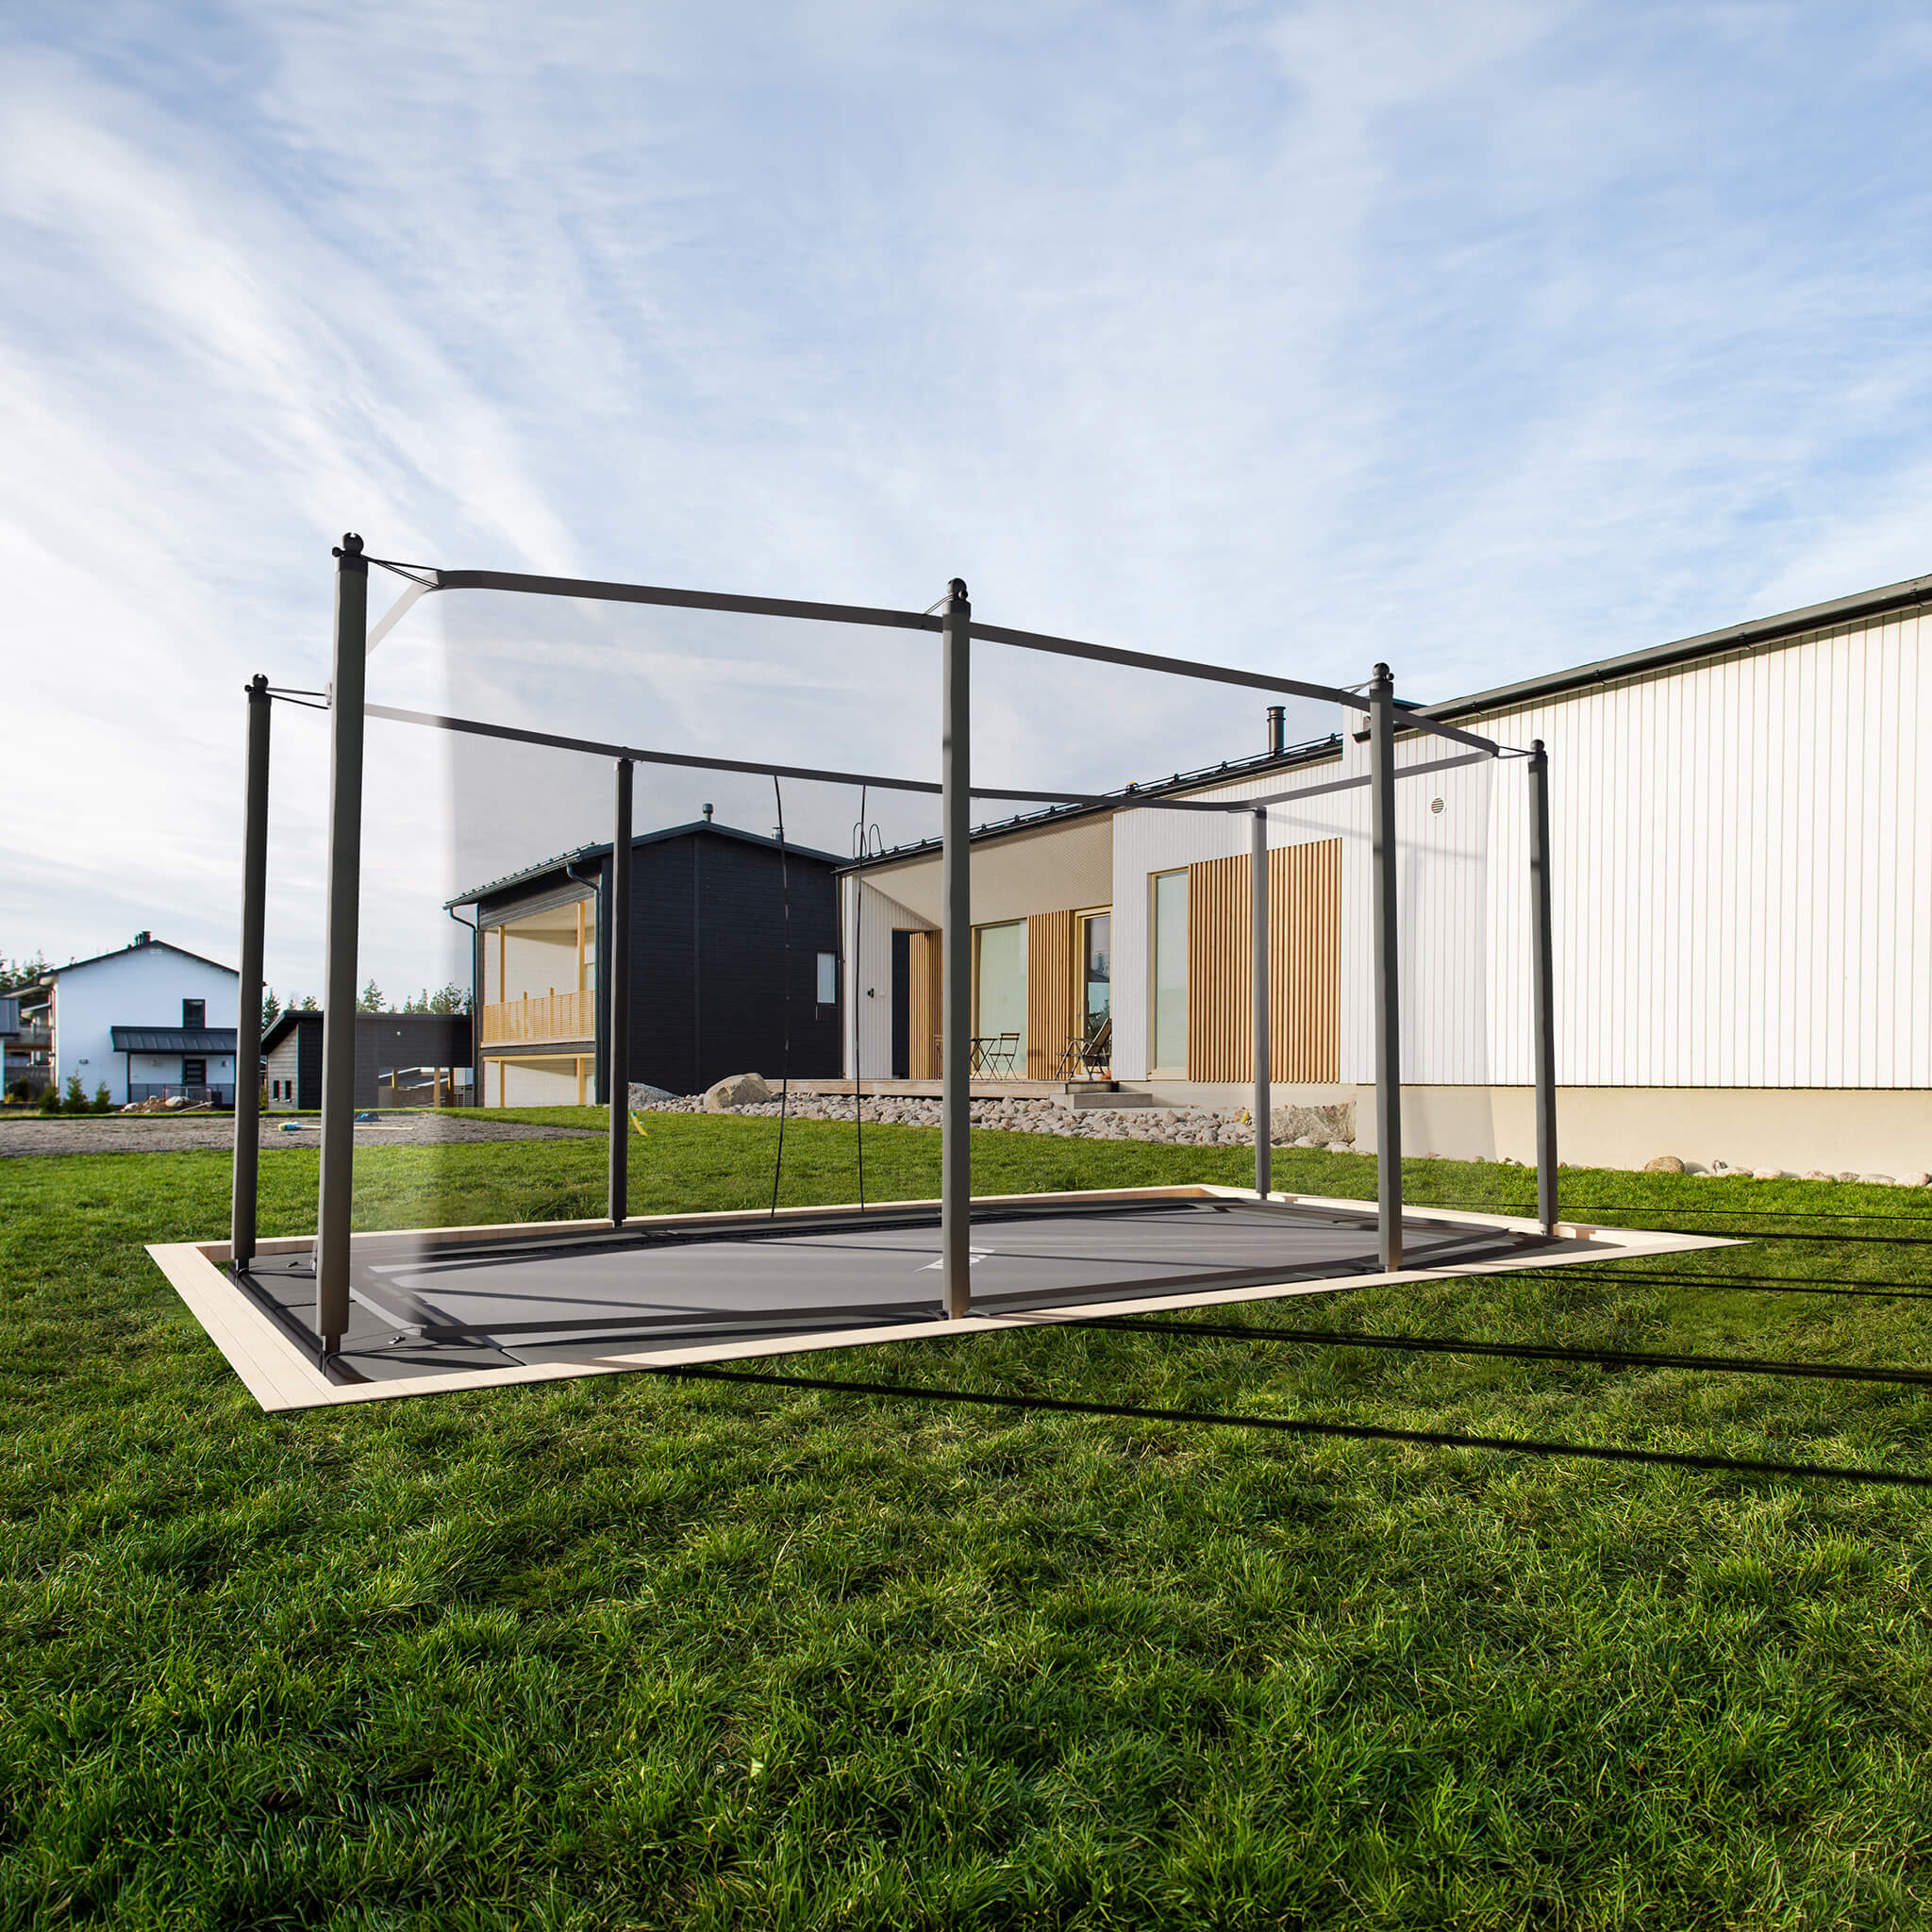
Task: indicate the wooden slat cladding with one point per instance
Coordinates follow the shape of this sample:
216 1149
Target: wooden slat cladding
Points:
1305 965
923 1007
1049 990
530 1022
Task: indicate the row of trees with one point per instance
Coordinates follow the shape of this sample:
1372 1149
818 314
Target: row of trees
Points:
444 999
15 974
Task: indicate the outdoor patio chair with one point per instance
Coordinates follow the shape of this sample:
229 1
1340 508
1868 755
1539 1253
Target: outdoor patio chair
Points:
1096 1051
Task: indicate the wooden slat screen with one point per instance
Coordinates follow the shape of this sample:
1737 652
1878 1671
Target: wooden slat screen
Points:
1049 990
922 1007
1305 965
531 1022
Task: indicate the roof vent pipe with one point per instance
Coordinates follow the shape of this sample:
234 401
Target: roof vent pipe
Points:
707 814
143 939
1278 729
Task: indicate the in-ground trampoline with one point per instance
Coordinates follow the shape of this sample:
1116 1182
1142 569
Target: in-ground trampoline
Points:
437 1310
334 1318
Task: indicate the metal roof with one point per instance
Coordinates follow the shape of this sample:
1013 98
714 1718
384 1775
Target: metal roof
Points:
173 1039
1710 644
580 853
1228 772
147 946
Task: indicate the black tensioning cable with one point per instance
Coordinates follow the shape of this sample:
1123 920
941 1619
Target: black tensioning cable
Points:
1518 1350
1432 1439
1791 1284
1571 1212
784 998
861 851
851 980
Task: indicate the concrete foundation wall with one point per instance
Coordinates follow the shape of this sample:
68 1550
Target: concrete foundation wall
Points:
1833 1129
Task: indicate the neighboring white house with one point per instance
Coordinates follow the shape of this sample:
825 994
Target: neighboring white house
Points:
1742 878
144 1021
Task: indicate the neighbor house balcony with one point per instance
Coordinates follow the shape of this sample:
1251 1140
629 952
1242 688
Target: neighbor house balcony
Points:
540 1020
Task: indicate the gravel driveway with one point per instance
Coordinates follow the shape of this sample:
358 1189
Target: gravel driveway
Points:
160 1134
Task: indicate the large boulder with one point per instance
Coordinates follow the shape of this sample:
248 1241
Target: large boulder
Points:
737 1090
1664 1163
1316 1125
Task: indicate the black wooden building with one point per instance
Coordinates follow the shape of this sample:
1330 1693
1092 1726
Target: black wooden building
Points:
402 1059
734 950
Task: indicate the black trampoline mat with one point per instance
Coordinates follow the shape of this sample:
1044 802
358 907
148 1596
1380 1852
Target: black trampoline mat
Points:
533 1295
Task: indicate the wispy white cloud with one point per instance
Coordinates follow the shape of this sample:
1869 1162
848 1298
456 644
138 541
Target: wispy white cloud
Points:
1478 339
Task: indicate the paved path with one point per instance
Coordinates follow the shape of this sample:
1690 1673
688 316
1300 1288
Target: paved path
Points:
162 1134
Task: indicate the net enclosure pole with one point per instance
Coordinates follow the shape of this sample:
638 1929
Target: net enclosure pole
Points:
956 973
248 1016
346 693
618 1027
1543 1002
1387 977
1264 1104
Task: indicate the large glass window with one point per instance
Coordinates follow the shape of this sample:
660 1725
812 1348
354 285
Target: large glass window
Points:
1097 967
1000 983
1171 971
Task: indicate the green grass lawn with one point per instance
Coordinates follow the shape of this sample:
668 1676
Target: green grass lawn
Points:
643 1652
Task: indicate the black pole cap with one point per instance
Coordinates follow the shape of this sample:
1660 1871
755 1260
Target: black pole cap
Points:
257 687
955 588
349 551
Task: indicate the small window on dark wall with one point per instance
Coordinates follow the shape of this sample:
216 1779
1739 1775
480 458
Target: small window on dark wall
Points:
828 979
194 1012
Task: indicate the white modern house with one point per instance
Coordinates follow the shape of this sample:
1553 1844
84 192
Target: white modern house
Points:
149 1020
1743 874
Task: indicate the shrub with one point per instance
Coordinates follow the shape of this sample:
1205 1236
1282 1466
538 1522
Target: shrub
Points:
74 1099
104 1101
50 1098
21 1092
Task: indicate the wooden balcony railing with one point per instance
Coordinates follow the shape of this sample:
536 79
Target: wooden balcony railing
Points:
539 1018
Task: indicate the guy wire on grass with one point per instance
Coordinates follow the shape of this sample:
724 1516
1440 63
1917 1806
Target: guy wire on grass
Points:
1294 1425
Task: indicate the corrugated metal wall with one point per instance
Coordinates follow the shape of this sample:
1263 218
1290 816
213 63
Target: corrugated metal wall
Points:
1743 880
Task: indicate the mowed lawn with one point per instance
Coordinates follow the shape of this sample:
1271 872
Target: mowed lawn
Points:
636 1651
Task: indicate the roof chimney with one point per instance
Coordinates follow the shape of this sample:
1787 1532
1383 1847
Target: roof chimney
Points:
1278 729
141 939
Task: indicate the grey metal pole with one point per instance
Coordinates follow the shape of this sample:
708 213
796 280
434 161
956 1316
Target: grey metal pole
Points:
955 979
618 1097
248 1018
1264 1100
1544 1001
1387 982
347 695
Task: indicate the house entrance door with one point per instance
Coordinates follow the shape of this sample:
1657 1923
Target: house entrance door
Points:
902 1005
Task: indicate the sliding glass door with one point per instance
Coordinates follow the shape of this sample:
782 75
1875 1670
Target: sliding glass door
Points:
1170 1043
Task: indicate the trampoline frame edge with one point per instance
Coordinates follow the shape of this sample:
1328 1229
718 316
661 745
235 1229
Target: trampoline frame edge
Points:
282 1378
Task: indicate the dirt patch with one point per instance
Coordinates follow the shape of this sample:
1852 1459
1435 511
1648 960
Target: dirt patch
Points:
162 1134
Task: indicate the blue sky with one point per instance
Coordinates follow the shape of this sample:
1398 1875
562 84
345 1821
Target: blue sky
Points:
1482 338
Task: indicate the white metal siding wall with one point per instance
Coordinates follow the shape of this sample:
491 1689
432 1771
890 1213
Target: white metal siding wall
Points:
1744 880
1745 854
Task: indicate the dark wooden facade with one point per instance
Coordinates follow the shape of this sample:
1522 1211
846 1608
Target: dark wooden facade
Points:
292 1048
716 983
